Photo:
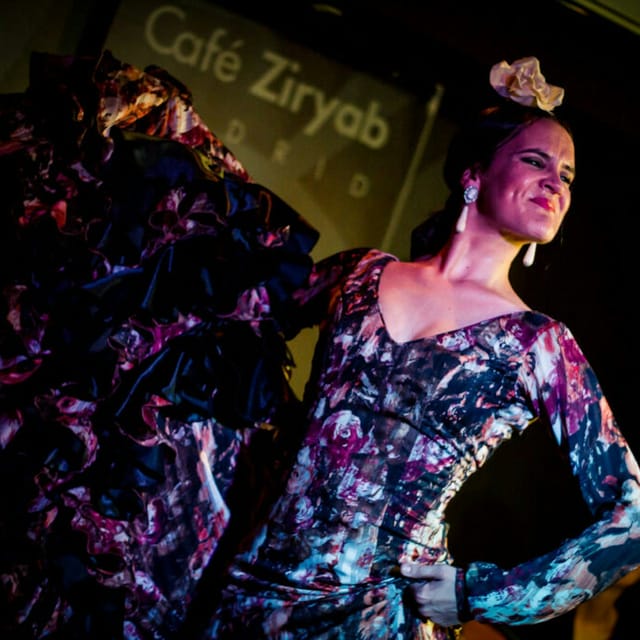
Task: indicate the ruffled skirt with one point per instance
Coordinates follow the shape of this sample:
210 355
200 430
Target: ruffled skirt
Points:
145 411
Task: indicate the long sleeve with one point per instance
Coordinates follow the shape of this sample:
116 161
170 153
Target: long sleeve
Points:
564 391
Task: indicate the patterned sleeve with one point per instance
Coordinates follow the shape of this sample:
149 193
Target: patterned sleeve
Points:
563 390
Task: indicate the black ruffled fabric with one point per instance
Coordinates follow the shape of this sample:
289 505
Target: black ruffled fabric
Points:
147 284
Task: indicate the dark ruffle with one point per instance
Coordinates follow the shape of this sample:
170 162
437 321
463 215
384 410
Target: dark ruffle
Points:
147 283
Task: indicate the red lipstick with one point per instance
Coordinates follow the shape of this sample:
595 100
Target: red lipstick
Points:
545 203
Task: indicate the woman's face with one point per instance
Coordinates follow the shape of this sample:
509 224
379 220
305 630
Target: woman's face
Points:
525 191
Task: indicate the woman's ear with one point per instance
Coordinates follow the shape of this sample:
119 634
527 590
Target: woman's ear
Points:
469 175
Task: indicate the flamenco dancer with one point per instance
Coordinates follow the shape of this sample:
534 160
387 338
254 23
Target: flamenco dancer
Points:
148 429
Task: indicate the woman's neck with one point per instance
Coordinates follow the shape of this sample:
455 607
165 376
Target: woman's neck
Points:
484 260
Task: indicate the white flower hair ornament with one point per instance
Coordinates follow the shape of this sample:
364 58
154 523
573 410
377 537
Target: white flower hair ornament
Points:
523 82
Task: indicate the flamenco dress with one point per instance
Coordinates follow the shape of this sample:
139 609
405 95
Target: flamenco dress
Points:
149 288
396 430
143 362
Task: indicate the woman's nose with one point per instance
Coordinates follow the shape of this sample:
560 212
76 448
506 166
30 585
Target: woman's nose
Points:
552 183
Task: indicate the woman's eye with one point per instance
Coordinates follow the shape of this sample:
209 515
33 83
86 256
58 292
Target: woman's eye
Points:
533 161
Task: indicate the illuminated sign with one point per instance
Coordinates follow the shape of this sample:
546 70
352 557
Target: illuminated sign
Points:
335 143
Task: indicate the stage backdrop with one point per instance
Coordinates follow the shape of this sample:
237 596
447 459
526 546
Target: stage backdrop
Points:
342 147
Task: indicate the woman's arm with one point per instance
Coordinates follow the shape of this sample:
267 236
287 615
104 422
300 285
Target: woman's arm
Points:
564 390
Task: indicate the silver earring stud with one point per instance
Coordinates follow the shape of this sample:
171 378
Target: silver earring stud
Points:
470 195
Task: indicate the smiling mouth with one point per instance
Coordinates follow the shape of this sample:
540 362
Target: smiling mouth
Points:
545 203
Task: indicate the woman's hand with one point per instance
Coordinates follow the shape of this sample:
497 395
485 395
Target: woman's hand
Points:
434 591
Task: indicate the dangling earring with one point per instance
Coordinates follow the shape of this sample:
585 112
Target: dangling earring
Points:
530 255
470 195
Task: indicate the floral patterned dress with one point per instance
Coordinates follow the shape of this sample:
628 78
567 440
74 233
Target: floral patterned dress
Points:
394 431
148 287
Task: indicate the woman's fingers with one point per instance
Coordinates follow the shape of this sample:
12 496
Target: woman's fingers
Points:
434 591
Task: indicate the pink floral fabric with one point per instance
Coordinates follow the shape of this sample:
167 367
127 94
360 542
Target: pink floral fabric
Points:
394 431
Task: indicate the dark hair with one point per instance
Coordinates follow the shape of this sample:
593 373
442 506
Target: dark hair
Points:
474 144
